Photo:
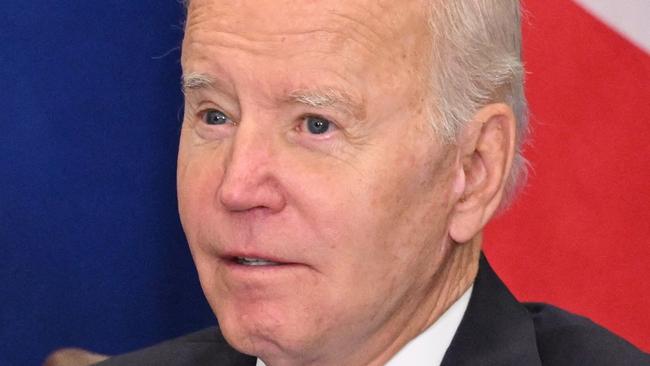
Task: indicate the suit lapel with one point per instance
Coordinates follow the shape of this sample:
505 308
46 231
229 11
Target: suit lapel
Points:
495 330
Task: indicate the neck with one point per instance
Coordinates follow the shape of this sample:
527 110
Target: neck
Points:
453 277
450 279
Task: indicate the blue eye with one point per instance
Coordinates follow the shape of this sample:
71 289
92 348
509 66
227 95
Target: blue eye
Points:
215 117
317 125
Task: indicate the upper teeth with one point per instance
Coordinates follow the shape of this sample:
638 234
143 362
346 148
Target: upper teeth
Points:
255 261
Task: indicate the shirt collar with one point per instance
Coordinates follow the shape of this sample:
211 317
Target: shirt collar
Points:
429 347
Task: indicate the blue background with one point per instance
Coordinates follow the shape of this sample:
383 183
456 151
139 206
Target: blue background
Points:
92 250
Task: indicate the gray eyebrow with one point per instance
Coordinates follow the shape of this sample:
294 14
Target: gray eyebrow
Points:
196 80
321 98
316 98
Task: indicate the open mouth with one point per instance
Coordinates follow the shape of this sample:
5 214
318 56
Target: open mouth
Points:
247 261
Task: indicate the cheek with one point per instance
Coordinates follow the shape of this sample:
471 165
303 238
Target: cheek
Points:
408 198
198 178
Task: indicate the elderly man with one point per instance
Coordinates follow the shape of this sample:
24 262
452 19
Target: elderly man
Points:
338 162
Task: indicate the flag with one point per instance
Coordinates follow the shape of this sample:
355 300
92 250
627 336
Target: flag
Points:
578 236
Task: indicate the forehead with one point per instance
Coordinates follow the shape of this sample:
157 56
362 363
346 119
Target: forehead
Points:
269 15
265 25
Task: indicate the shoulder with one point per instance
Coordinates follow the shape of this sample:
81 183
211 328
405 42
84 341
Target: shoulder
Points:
205 347
567 339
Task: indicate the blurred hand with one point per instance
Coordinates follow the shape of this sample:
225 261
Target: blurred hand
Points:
73 357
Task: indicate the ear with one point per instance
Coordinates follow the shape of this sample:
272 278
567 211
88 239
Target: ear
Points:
486 147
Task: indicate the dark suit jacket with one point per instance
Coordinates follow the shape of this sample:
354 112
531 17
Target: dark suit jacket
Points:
495 330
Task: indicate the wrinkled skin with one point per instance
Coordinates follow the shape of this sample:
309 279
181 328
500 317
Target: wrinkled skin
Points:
358 215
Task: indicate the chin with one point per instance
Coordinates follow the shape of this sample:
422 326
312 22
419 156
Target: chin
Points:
267 331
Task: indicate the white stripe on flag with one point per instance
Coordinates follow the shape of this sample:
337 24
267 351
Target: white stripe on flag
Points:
628 17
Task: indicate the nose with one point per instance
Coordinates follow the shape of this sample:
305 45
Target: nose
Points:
250 181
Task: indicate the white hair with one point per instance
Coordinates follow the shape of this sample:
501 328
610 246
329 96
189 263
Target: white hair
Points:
477 61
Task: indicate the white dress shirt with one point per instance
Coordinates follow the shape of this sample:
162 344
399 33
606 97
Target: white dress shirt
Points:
429 347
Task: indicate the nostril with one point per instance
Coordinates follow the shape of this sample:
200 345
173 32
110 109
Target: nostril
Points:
233 201
260 198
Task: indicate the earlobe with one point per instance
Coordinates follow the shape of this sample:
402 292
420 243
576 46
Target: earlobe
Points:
486 149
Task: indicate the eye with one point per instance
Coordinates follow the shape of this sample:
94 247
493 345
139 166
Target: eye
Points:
215 117
318 125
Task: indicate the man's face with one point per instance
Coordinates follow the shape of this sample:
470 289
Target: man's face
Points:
306 142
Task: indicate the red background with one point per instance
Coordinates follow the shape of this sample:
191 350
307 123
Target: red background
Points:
577 237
